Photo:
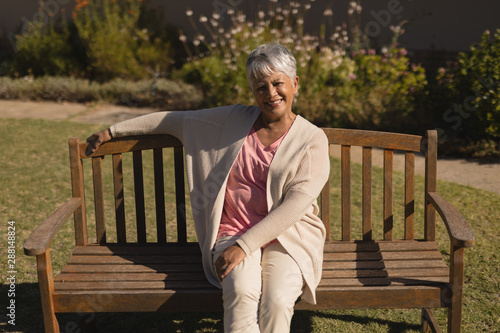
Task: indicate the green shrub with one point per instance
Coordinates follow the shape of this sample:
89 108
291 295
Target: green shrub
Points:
471 88
115 44
342 81
382 93
161 93
44 49
106 39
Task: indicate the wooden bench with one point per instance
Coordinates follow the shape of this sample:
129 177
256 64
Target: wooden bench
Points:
134 271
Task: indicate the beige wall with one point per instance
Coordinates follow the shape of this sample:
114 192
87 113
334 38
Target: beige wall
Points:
450 25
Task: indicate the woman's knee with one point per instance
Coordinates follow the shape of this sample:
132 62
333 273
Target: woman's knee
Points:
239 289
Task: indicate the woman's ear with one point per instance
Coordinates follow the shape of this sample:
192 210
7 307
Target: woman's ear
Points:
296 85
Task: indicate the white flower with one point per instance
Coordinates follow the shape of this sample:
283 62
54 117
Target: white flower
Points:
182 38
328 12
189 12
203 19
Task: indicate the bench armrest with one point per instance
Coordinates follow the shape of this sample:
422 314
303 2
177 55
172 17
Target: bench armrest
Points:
459 230
40 239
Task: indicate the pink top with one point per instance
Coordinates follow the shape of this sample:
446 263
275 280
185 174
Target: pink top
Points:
245 202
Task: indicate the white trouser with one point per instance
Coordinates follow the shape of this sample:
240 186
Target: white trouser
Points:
259 294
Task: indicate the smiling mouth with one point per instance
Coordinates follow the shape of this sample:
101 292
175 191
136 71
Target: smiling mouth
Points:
275 103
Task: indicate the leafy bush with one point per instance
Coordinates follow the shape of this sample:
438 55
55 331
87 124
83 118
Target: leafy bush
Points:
106 39
116 45
44 49
383 91
342 81
471 89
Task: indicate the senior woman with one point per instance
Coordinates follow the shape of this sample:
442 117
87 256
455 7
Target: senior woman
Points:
254 174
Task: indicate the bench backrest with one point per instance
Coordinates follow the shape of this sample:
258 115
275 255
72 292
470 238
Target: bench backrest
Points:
409 145
156 145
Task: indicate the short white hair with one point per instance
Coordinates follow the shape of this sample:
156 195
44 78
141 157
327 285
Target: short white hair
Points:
269 58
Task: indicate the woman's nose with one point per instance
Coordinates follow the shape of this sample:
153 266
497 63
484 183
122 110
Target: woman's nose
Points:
272 91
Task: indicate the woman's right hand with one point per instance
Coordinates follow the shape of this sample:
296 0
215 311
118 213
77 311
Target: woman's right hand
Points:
97 139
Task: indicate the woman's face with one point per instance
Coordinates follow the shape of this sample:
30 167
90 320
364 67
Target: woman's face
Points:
274 94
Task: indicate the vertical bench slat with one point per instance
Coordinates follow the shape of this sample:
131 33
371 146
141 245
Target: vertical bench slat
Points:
346 192
140 209
325 205
325 209
180 195
388 209
367 194
78 191
159 196
99 200
430 184
409 195
119 198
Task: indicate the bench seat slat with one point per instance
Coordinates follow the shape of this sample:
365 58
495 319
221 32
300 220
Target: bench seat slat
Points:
377 273
138 249
134 285
386 246
129 276
173 276
211 299
378 256
373 297
360 265
196 284
110 260
133 268
403 281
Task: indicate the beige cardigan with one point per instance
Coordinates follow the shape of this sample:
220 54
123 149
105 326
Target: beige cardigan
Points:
212 140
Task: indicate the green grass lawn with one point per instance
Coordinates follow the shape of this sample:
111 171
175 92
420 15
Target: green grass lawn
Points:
34 176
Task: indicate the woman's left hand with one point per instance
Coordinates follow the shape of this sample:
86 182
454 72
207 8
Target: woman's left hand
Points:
228 260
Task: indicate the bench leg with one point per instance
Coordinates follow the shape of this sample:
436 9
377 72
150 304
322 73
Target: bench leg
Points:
457 285
429 322
46 283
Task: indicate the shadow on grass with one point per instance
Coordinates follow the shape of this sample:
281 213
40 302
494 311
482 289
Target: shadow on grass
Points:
29 319
303 322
